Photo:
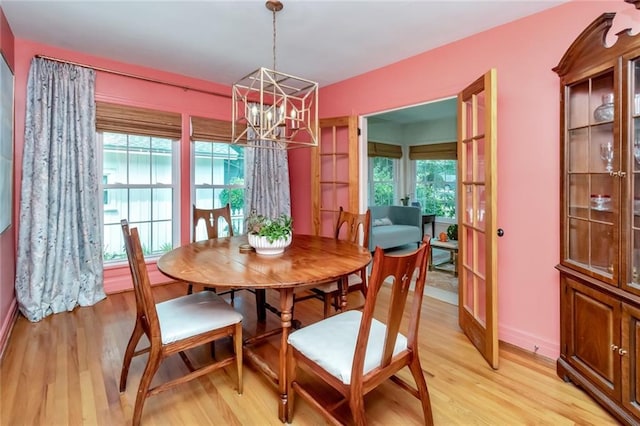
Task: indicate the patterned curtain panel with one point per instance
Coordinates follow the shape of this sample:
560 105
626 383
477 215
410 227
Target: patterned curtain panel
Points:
59 263
267 181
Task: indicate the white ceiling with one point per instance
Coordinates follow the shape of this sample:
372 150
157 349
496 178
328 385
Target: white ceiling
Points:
223 40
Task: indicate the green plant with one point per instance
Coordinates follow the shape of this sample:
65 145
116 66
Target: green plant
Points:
452 232
272 228
234 196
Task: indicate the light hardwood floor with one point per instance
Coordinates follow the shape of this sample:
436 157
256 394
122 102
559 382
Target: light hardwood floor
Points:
65 369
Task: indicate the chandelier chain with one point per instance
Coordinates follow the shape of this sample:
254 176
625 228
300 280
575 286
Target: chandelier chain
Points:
274 39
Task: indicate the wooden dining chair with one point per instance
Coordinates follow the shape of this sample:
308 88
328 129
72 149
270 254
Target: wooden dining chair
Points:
211 219
174 326
355 352
348 227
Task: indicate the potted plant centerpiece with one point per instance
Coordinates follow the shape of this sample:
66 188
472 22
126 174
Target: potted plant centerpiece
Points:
269 236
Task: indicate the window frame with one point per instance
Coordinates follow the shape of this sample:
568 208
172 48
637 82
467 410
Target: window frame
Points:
413 168
194 186
174 186
395 180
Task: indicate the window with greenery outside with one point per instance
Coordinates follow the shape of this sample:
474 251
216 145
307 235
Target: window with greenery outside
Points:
382 184
219 179
436 186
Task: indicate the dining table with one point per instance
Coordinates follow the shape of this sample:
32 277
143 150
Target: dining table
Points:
229 262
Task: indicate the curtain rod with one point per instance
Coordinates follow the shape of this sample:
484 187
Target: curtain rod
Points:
138 77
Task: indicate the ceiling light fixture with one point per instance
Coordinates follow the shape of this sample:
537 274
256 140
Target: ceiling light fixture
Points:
269 105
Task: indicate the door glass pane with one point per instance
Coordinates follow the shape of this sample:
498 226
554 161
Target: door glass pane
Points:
481 268
481 304
602 250
480 160
635 267
469 294
578 234
468 195
480 124
468 167
481 214
603 153
578 114
601 99
578 150
578 196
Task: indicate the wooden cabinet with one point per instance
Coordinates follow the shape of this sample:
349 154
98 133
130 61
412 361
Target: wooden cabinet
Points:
600 218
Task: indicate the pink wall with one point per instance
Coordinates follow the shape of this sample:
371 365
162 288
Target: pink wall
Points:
7 238
523 52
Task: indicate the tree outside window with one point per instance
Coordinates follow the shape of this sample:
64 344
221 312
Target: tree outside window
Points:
382 185
436 186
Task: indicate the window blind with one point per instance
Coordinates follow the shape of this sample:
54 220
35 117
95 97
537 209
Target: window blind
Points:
135 120
210 129
378 149
436 151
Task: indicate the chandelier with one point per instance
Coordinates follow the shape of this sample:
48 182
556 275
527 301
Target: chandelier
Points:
269 105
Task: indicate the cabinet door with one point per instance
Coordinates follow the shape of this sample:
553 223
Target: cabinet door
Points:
592 335
629 353
630 271
591 187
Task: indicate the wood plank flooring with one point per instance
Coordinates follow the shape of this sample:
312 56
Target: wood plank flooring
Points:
65 370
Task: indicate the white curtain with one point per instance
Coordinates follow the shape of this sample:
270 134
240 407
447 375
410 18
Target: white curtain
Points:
59 264
267 177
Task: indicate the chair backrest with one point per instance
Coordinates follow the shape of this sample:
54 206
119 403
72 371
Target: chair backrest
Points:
211 219
145 303
401 269
349 225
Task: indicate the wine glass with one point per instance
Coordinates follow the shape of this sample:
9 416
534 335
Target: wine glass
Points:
606 153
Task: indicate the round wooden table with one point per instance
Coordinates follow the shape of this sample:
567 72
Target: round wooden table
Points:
308 261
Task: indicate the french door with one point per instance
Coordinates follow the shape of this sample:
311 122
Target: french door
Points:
477 217
334 173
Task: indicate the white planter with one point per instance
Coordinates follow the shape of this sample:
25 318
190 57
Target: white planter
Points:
265 248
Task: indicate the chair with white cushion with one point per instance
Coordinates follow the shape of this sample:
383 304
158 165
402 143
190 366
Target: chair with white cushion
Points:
355 352
174 326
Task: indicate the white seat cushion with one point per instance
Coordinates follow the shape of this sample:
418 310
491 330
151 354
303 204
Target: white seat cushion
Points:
331 343
194 314
354 279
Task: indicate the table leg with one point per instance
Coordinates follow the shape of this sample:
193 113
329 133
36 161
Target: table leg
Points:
286 305
455 263
431 258
261 300
343 285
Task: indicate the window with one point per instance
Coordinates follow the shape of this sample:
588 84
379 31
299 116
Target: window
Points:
382 184
436 186
140 184
218 180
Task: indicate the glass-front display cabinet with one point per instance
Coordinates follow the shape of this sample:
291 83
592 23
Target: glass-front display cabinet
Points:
600 166
600 217
592 161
